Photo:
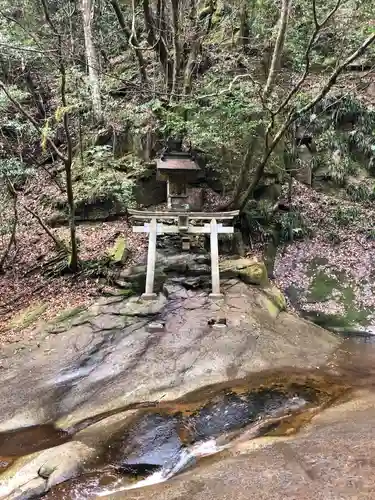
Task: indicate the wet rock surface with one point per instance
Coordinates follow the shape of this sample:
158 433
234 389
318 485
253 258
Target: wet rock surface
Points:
176 387
108 358
331 459
150 444
234 411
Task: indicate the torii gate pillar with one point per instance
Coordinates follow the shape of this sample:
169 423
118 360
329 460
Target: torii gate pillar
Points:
153 229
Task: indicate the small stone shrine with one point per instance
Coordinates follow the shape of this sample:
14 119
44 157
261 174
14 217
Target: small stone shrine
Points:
178 168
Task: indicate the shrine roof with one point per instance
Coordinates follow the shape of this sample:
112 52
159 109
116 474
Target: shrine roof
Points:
177 164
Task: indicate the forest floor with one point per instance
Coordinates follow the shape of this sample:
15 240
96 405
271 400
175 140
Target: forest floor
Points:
333 271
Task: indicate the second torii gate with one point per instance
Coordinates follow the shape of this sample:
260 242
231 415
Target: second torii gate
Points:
153 228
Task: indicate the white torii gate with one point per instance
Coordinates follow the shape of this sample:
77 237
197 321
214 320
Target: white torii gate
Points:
154 228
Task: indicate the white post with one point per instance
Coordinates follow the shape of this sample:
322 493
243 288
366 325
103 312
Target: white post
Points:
151 259
169 201
215 274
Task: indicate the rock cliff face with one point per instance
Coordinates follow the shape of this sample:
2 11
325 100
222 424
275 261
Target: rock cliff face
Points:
107 361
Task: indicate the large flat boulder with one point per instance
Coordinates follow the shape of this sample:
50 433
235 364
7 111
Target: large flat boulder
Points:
108 357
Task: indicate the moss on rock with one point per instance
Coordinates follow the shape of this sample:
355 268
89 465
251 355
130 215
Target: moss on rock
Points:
271 307
250 271
276 296
119 252
68 314
28 316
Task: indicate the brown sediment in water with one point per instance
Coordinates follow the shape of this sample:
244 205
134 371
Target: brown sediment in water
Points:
20 442
318 379
326 385
319 387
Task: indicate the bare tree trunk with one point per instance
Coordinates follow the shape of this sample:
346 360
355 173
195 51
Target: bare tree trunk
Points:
149 22
200 27
12 238
193 54
92 59
279 47
127 33
244 26
68 158
4 69
176 46
244 172
33 91
73 264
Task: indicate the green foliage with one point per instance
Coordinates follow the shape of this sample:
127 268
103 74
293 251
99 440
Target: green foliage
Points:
333 237
258 218
346 216
104 178
344 133
15 170
17 93
261 219
293 227
361 192
220 123
338 38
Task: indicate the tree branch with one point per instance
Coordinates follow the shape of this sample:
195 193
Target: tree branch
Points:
59 244
294 115
120 18
73 264
128 35
48 18
31 119
149 22
313 38
176 46
26 49
332 80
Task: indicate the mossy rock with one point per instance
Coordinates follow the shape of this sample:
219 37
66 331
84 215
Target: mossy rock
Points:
123 292
136 306
334 288
28 316
68 314
119 252
134 279
276 296
266 303
250 271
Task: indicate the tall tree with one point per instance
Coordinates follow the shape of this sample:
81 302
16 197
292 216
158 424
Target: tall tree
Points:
92 59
